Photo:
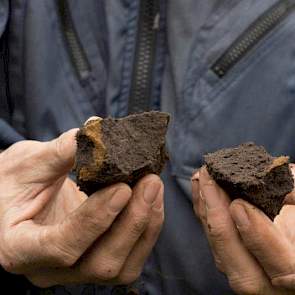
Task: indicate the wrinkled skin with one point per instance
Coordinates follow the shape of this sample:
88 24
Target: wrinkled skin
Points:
256 254
53 234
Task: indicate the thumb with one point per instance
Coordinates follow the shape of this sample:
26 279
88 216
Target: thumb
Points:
44 162
61 152
260 236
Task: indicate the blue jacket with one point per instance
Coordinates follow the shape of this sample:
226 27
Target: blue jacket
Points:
225 70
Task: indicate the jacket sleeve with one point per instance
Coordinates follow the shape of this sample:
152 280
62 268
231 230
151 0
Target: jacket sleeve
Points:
8 135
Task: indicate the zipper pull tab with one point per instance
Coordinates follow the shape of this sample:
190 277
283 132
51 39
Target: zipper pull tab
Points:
156 25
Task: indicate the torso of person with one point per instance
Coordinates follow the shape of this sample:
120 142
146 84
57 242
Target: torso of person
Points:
224 70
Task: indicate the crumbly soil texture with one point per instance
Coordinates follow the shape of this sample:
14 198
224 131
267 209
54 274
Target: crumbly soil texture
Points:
120 150
249 172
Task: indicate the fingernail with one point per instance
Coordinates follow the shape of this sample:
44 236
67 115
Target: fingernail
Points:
151 191
202 198
93 118
119 199
210 194
196 175
159 203
240 216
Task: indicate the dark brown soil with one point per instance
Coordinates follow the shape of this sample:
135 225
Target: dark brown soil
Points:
249 172
120 150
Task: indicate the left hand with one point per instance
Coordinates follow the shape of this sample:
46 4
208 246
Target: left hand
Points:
53 234
256 254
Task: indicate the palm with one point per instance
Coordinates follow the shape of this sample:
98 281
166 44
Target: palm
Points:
64 197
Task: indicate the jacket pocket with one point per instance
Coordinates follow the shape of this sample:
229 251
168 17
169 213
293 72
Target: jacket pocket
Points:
74 47
85 47
57 66
252 36
239 87
233 46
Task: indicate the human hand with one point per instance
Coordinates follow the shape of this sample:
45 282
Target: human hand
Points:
53 234
256 254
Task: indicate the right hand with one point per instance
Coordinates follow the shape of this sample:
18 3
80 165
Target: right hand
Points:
256 254
53 234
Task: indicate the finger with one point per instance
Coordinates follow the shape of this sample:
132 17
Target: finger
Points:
105 260
93 118
195 180
64 243
243 272
200 211
115 246
94 217
263 239
44 162
131 269
197 203
135 261
290 198
61 153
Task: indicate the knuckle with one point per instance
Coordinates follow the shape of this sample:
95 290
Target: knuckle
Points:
66 259
128 277
63 256
219 266
201 214
195 195
200 210
155 228
9 260
60 257
218 262
247 286
58 148
161 220
287 281
287 277
57 253
107 271
138 225
39 282
94 223
8 265
254 243
218 232
156 221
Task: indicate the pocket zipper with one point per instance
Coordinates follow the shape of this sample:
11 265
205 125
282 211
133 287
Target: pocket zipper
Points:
74 46
253 34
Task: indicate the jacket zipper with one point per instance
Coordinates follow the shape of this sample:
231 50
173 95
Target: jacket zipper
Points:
148 25
254 33
5 105
74 46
